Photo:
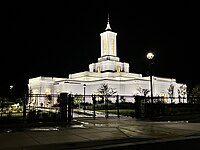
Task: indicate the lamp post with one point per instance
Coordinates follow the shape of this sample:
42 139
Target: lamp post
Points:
11 87
150 57
84 86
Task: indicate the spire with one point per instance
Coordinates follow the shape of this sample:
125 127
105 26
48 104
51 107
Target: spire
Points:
108 25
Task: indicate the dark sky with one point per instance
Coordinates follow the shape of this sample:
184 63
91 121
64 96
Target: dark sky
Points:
55 39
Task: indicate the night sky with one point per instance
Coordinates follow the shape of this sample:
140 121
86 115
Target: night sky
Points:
55 39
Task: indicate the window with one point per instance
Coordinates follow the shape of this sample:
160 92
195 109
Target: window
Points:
118 69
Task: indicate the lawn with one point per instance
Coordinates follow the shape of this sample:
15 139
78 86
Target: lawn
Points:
192 118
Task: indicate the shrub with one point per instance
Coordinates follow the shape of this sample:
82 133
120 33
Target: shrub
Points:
32 116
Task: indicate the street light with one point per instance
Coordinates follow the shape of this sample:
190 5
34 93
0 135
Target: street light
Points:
84 86
150 57
11 87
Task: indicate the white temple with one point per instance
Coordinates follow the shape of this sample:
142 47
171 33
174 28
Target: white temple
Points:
107 70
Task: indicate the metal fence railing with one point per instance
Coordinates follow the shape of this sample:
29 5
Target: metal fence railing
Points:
42 107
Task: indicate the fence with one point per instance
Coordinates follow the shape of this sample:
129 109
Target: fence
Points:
63 107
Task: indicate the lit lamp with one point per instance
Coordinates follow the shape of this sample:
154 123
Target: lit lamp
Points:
150 57
84 86
11 87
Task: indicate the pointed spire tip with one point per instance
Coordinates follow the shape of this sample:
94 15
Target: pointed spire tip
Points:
108 25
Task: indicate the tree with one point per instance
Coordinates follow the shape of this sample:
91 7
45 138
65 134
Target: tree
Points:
123 99
77 99
143 92
182 91
195 94
19 100
5 103
106 91
171 92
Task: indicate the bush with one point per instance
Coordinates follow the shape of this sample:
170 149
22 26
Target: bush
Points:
32 116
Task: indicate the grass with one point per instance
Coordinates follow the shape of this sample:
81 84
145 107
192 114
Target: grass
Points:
192 118
17 114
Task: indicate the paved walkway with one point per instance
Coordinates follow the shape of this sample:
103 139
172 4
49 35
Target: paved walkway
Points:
88 133
90 114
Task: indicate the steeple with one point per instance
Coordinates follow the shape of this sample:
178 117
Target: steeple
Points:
108 25
109 62
108 42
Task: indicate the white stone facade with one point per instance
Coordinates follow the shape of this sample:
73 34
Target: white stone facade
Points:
108 70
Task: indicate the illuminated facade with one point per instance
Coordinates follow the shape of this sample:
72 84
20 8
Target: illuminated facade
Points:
107 70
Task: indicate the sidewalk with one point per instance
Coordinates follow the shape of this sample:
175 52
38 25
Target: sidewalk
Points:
99 133
65 137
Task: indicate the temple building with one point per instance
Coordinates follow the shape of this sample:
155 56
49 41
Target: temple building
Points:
107 70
